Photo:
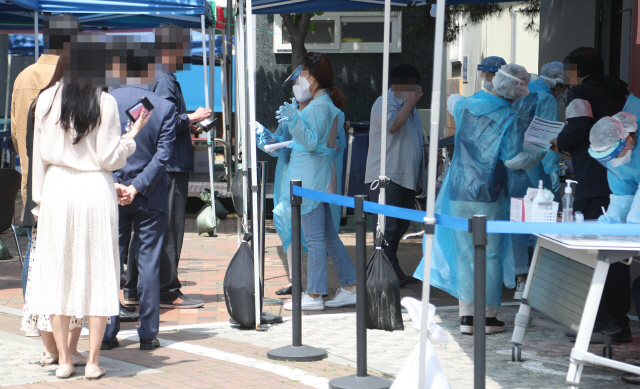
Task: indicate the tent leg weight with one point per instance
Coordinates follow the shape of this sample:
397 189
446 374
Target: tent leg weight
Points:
607 352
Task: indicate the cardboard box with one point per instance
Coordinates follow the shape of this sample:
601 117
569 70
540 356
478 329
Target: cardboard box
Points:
517 209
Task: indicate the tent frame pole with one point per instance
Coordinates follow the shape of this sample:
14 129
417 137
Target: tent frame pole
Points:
251 84
382 179
35 33
430 221
207 102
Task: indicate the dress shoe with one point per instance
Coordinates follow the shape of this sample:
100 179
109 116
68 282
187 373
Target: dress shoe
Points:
149 344
285 290
622 336
92 372
108 345
130 308
48 358
406 278
65 371
127 316
631 378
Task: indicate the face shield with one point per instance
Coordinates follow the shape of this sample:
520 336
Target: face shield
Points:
294 76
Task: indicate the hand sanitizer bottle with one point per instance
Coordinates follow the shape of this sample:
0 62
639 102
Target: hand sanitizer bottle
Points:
540 195
567 203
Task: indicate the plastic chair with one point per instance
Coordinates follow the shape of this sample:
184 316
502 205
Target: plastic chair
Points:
11 180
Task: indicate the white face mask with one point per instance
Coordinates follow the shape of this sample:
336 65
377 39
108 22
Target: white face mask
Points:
488 86
301 89
621 160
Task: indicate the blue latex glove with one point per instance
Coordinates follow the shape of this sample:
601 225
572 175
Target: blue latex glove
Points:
618 209
609 219
555 182
260 128
287 111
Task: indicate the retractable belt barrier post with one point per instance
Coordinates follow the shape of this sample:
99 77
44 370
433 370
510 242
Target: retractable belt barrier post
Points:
296 352
478 228
361 379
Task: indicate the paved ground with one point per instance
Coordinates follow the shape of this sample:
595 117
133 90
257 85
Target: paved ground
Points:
202 350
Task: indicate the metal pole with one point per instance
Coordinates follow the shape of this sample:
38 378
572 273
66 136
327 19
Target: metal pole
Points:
361 380
296 246
479 237
227 90
430 220
262 191
361 281
207 103
385 102
297 351
35 34
211 83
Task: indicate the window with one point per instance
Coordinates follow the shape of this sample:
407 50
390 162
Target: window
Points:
344 32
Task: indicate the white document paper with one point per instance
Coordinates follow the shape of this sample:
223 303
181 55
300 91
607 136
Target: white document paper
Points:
276 146
541 132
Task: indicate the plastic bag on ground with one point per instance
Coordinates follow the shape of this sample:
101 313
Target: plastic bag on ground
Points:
434 377
239 287
383 294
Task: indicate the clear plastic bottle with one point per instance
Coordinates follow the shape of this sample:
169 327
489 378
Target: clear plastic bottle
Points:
567 203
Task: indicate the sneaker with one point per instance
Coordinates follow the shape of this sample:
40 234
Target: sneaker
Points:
182 302
308 303
622 336
33 333
130 301
85 331
519 290
492 325
149 344
342 298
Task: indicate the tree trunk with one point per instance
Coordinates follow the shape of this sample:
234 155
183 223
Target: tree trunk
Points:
297 33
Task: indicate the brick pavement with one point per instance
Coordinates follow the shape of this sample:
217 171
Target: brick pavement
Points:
215 355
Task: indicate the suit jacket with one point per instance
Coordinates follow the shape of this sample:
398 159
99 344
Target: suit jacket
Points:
167 87
146 168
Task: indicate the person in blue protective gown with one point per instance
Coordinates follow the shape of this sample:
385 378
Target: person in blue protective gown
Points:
489 67
487 144
318 142
282 223
540 102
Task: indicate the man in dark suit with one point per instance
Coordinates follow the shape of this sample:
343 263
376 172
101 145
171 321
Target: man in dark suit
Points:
144 182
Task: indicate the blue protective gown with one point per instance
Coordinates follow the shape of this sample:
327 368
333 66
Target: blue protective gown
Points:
312 161
281 223
624 181
476 183
540 102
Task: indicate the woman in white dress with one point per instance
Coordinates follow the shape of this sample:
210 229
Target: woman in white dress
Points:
77 143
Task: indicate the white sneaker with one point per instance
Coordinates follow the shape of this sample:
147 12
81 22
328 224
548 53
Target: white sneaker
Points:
342 298
33 333
519 290
308 303
85 331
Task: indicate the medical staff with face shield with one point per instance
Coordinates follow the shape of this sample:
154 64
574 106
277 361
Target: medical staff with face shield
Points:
489 67
540 102
488 143
282 222
613 140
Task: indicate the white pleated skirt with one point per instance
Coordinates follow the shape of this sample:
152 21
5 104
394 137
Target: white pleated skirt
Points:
77 271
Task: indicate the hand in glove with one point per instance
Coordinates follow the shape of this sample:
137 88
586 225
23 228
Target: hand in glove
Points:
526 159
265 137
555 182
287 111
609 219
260 128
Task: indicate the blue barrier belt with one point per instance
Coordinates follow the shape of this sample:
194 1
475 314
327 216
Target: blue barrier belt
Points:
493 226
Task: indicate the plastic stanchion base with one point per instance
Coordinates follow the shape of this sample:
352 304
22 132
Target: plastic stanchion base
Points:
269 318
355 382
298 354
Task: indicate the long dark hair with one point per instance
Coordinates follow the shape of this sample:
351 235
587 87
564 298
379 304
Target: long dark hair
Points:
80 108
321 69
57 76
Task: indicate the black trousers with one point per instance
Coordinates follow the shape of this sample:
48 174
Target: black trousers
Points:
616 295
394 229
178 187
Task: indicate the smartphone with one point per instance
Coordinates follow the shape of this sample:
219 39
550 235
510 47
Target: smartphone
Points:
134 112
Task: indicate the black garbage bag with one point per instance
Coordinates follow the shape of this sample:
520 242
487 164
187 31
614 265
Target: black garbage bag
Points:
383 294
236 192
239 287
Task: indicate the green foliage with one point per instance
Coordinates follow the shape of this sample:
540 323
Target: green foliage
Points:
298 17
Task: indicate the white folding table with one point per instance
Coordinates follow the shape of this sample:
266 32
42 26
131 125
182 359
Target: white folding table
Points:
565 283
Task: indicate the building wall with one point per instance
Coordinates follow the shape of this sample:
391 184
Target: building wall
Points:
564 26
493 38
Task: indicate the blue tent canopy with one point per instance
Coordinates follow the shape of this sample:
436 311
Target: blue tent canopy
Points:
286 6
23 44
